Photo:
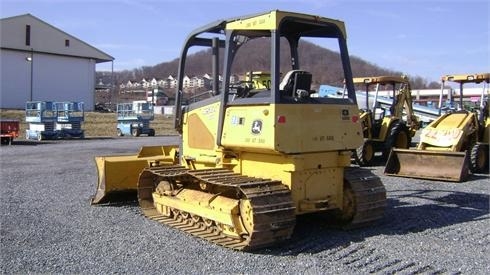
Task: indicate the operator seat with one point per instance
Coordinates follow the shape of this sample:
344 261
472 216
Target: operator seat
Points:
296 83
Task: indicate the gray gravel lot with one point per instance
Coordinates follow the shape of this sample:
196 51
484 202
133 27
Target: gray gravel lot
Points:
48 225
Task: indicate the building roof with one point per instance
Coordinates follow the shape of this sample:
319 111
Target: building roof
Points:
45 38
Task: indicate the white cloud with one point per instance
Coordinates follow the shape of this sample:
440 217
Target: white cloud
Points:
401 36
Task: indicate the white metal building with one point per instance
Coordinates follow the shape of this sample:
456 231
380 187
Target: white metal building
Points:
41 62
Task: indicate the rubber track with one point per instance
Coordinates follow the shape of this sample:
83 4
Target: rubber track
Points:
273 209
370 196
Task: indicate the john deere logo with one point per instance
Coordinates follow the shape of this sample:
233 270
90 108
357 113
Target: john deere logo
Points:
345 114
257 127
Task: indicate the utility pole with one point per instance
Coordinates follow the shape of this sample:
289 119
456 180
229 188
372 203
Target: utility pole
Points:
30 59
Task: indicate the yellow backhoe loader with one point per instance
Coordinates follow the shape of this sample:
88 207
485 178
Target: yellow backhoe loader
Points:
385 129
253 158
450 146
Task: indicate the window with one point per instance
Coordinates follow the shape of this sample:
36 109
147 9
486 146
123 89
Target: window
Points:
28 35
67 42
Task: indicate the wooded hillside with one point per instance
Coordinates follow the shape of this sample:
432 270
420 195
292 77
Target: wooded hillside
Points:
255 57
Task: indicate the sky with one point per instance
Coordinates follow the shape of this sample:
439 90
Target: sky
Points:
425 38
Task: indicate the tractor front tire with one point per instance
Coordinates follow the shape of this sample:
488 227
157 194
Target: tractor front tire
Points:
398 138
364 155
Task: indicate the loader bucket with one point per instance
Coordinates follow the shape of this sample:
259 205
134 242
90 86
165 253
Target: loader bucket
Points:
118 175
423 164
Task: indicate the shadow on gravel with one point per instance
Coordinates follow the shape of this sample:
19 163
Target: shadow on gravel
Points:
53 141
419 210
27 143
475 177
407 211
129 202
378 160
98 138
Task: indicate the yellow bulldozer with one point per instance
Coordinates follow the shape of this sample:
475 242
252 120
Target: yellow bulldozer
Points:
385 129
253 158
452 145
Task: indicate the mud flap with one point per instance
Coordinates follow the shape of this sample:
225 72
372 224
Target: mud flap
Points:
118 175
423 164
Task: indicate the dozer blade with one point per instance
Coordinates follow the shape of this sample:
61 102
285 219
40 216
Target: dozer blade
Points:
423 164
118 175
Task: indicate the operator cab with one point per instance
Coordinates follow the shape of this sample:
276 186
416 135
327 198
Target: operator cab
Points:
276 51
296 83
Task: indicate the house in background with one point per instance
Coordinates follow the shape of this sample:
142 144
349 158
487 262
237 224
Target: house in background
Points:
41 62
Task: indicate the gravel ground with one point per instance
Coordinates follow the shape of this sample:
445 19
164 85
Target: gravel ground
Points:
48 225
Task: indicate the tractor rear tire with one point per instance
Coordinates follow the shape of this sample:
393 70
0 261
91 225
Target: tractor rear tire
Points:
479 158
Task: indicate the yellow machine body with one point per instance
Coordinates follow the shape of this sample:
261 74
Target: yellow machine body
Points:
253 157
299 150
486 131
449 132
450 146
443 150
385 129
384 125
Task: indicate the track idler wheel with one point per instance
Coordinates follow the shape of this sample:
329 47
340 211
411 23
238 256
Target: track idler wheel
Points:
364 199
348 206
